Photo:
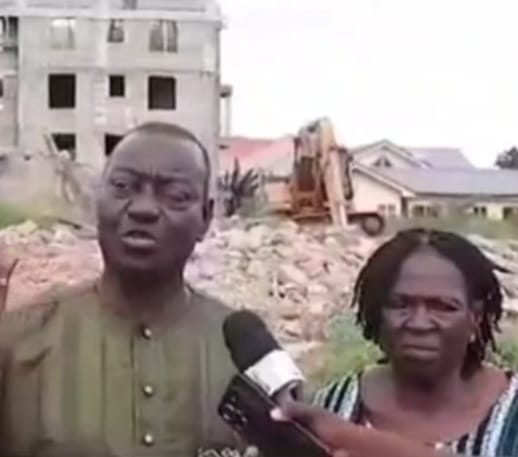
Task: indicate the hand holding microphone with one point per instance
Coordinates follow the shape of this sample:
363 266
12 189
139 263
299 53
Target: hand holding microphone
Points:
257 355
349 440
267 378
261 405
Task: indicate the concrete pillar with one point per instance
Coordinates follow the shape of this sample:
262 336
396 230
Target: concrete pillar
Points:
226 108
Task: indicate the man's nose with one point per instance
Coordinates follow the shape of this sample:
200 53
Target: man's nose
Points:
144 206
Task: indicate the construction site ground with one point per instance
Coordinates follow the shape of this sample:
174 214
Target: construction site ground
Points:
297 278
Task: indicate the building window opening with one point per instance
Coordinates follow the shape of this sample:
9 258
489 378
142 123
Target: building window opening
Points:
163 36
117 86
62 33
161 93
8 33
62 91
110 143
480 211
116 31
66 143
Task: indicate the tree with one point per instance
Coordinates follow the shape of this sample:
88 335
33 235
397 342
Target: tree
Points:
238 187
508 159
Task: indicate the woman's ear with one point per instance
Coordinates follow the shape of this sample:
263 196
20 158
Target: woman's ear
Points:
476 318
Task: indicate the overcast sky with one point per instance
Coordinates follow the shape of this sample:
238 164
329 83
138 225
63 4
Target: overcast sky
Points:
418 72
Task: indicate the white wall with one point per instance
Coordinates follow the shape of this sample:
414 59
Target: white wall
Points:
370 194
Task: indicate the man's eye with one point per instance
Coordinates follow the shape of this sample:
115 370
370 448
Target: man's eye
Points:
120 186
176 195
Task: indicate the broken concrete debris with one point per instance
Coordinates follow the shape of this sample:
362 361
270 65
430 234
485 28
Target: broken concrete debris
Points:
297 278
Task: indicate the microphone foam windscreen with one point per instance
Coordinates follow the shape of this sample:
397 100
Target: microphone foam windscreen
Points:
247 338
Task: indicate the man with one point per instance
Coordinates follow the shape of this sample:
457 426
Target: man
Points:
136 363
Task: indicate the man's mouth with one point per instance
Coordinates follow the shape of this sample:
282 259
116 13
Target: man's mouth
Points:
139 239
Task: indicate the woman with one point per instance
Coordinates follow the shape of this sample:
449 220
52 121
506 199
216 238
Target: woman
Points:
431 301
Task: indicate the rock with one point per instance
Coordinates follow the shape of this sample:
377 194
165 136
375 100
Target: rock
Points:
290 274
296 278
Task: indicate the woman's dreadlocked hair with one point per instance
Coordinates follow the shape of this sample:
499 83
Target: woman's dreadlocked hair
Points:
378 276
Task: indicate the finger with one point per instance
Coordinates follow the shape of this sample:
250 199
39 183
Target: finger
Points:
299 412
6 273
340 453
339 434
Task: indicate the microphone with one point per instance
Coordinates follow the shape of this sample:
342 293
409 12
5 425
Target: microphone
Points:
257 355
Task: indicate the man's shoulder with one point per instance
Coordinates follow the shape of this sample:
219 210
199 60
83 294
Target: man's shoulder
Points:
41 310
210 306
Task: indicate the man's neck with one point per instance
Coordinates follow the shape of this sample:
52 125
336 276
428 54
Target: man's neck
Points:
145 299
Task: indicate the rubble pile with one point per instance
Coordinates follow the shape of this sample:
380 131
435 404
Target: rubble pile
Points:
296 278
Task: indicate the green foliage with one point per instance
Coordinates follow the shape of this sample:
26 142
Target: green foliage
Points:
346 351
506 354
467 225
239 189
12 215
44 213
508 159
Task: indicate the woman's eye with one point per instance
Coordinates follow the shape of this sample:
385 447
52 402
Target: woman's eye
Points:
397 304
443 305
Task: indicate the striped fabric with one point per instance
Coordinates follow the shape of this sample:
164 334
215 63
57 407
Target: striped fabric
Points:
496 436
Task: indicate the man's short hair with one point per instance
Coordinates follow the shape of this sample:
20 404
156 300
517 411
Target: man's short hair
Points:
175 131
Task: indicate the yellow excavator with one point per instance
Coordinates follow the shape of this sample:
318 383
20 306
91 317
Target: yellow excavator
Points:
321 186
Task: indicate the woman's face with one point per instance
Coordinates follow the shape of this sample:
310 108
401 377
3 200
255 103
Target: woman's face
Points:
427 323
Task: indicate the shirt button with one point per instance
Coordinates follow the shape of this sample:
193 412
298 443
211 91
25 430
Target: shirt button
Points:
146 333
148 390
148 439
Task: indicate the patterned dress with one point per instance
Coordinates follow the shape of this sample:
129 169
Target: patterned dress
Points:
496 435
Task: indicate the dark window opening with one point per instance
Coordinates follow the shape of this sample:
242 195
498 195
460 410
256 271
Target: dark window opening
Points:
117 86
510 212
65 142
116 31
129 4
480 211
62 91
110 142
161 93
426 211
383 162
62 33
8 32
1 87
163 36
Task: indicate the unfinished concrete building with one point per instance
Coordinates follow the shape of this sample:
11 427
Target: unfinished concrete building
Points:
85 71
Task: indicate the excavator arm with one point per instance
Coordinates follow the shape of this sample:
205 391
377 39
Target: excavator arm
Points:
321 181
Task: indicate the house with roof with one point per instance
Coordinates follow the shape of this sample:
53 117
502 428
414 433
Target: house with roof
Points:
395 180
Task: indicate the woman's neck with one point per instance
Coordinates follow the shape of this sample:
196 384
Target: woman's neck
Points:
414 393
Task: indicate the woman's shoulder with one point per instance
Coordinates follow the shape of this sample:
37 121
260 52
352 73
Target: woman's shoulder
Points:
507 403
341 395
501 424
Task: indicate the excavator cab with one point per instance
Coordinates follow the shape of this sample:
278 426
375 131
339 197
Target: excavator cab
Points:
321 185
307 186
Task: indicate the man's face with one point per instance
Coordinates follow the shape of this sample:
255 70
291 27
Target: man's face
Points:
153 208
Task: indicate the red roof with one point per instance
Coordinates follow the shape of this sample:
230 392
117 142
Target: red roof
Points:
254 152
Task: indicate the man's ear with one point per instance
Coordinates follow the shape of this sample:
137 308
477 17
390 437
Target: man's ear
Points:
207 215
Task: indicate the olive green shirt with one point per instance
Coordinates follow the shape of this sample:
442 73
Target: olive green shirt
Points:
76 379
